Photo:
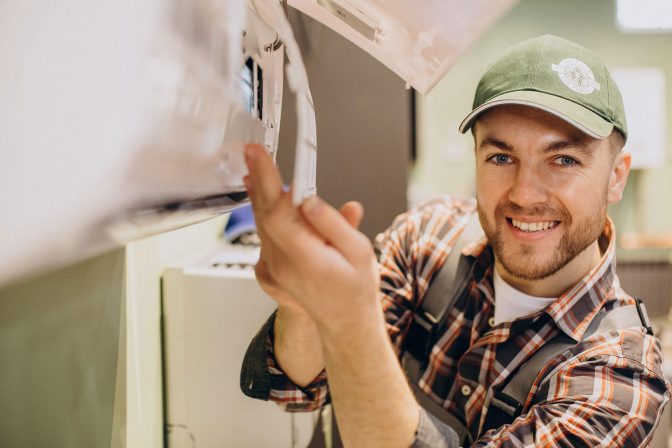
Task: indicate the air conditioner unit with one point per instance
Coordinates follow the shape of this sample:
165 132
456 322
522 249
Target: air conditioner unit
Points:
124 119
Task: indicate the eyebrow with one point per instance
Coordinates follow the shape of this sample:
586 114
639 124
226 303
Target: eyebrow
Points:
492 141
554 146
575 144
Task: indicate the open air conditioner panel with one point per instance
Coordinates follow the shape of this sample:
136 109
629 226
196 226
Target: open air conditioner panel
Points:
124 119
127 120
419 41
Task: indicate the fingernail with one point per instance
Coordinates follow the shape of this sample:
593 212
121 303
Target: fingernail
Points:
312 205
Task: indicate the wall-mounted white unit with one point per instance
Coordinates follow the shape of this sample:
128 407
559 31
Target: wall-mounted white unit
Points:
124 119
212 308
419 41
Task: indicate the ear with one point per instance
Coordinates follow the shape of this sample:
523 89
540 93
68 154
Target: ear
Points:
618 177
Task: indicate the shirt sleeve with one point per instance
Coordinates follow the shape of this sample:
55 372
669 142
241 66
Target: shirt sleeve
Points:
433 433
606 400
262 378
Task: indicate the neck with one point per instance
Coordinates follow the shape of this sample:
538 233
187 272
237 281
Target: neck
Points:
558 283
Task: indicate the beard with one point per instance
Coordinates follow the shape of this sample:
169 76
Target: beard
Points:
523 260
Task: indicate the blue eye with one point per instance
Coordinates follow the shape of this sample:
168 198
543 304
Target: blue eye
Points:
565 161
501 159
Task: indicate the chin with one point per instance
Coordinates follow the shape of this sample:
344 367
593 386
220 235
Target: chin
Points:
531 268
540 255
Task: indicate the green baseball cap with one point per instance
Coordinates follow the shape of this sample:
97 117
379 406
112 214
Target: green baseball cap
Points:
557 76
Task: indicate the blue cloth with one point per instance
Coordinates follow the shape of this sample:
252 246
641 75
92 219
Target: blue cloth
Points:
241 221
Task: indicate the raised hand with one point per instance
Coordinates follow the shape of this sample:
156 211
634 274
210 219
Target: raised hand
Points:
312 257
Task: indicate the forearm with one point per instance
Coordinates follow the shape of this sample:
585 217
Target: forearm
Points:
329 269
373 402
297 346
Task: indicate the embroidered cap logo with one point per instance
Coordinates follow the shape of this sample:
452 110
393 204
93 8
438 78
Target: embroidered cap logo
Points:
576 75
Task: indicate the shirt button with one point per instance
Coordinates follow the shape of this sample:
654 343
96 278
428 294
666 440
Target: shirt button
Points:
491 321
466 390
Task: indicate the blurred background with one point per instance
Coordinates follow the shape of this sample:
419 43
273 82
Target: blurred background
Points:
83 363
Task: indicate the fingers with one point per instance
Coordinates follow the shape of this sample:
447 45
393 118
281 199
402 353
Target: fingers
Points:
311 234
336 229
264 183
353 212
278 221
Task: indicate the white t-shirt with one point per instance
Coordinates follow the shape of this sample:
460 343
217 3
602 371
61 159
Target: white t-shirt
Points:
511 304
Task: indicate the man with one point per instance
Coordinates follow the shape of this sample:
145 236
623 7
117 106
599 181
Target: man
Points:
549 128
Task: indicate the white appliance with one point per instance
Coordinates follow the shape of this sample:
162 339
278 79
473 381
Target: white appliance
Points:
419 41
212 308
124 119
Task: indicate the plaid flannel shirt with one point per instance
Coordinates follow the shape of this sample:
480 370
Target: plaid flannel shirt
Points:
608 390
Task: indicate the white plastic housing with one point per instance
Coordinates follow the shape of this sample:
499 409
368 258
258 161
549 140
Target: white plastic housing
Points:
419 41
114 114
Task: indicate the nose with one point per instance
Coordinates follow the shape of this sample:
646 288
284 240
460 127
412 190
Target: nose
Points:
529 187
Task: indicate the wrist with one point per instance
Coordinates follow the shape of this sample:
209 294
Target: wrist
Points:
350 330
295 320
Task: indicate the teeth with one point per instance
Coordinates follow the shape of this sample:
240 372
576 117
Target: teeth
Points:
533 226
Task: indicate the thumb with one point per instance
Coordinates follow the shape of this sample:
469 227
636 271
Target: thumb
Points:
336 229
352 212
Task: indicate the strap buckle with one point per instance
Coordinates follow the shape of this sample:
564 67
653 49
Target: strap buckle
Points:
509 405
643 316
502 410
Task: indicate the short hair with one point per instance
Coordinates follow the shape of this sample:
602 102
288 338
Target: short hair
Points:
616 142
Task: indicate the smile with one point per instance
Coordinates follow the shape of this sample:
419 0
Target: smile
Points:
530 227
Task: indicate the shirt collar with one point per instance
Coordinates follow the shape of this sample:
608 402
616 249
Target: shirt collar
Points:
574 310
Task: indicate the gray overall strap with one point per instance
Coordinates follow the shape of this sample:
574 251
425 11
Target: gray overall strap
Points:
507 403
444 289
446 286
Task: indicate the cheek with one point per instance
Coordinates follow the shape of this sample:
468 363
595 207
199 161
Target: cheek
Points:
494 181
582 198
489 192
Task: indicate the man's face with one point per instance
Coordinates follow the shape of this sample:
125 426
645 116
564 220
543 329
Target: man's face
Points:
542 187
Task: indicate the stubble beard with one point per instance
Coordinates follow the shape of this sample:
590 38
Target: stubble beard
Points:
523 261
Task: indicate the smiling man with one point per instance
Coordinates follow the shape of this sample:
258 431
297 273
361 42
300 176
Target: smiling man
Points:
543 190
540 299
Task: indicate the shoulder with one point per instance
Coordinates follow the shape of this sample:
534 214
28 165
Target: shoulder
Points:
426 233
445 206
632 343
626 356
617 377
436 216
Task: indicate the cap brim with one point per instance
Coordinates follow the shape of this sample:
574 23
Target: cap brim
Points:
578 116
